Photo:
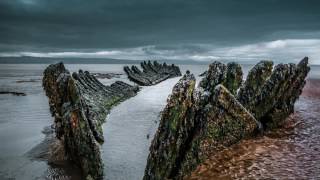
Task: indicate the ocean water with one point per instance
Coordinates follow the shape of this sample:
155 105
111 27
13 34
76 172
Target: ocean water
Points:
128 131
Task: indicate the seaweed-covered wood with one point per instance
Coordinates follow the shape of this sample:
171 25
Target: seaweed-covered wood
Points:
79 103
233 77
256 77
189 129
275 92
229 75
215 75
152 73
173 132
197 122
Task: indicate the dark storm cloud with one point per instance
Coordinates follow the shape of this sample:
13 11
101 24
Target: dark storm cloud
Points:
52 25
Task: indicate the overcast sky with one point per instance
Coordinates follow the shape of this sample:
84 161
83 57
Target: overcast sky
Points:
201 30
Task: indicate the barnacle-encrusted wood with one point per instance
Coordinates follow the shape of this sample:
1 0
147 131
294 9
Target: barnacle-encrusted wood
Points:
152 73
79 104
197 122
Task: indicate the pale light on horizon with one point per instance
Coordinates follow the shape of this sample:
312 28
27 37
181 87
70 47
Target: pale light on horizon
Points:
281 50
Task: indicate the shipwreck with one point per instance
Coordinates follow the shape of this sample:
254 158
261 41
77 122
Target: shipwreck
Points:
79 103
198 120
222 110
152 73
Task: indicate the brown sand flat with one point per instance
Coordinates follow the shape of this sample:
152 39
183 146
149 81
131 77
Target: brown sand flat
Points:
312 88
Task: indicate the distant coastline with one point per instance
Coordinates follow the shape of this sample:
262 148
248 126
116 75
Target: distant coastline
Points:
76 60
49 60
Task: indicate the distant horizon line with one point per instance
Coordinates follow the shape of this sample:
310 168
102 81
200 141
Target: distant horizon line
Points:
103 60
280 51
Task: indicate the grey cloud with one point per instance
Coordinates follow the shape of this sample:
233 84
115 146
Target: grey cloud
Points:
176 29
74 25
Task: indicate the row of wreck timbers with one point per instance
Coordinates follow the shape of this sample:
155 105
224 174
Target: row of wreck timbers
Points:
196 122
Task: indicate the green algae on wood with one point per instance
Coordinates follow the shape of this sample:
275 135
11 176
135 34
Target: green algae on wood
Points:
170 134
276 100
229 75
233 77
187 128
256 78
223 122
215 75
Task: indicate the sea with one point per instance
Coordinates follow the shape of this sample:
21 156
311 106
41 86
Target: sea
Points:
128 130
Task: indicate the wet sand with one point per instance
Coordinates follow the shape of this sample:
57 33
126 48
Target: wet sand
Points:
292 151
312 88
129 130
